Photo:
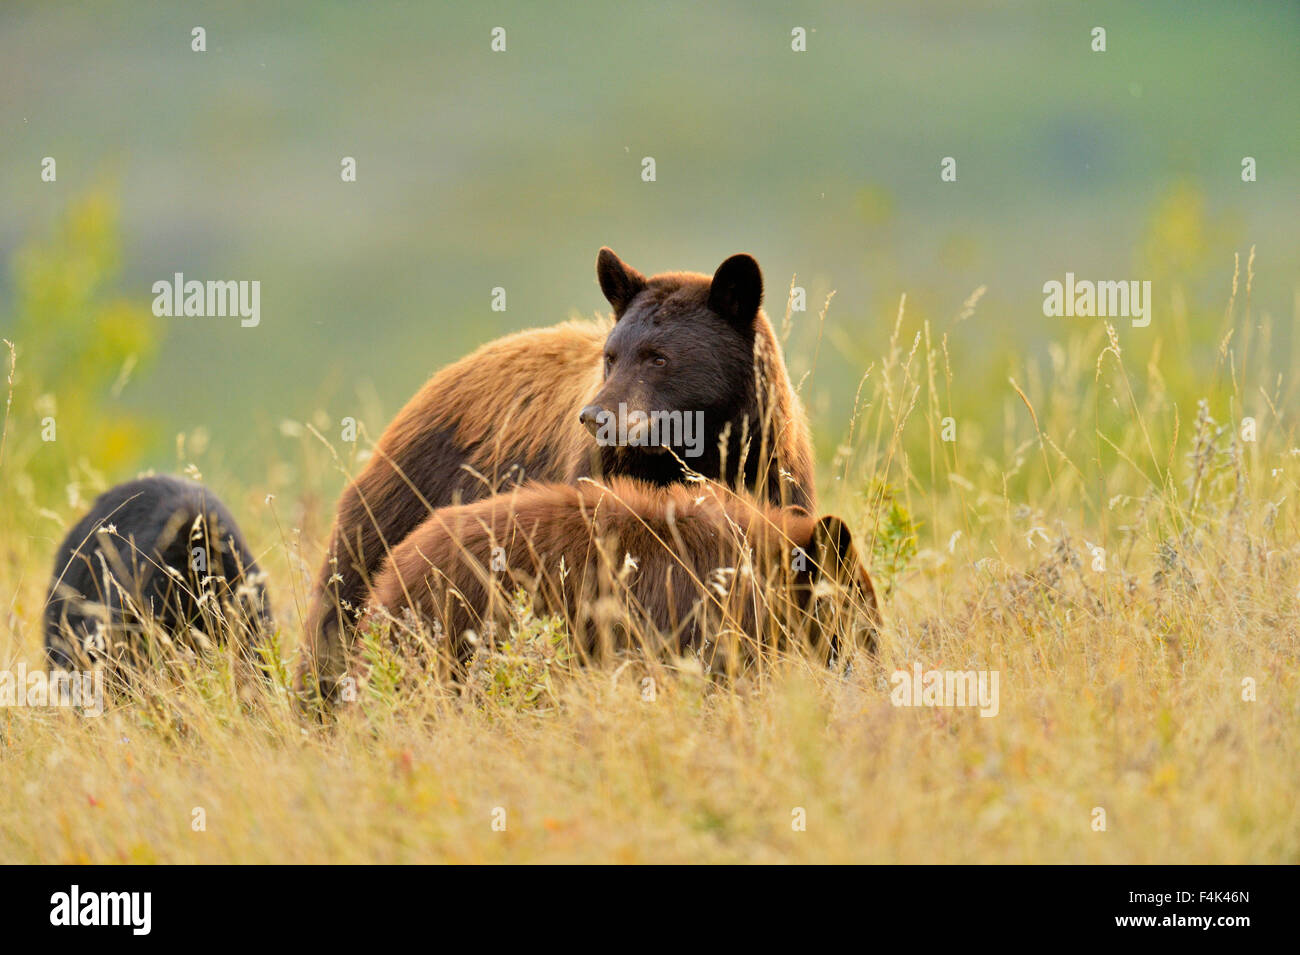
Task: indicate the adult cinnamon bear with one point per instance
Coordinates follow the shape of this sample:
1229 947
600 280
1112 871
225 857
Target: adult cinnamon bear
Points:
159 551
689 350
686 566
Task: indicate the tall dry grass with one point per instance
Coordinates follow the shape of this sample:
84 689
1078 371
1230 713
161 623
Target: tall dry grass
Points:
1128 562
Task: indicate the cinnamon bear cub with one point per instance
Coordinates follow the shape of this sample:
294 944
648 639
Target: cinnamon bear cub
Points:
688 567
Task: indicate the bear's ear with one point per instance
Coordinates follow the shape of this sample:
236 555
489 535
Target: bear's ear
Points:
832 547
835 556
737 291
619 281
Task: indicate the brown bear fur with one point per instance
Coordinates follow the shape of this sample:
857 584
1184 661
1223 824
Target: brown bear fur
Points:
691 567
510 412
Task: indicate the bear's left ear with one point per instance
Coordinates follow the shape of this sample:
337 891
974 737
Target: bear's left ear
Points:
737 291
619 281
835 555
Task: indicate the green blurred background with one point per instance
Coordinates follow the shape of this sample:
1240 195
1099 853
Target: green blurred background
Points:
478 169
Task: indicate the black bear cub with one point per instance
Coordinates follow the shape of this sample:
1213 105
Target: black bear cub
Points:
158 550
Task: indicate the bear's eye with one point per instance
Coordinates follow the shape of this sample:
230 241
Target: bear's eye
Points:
658 360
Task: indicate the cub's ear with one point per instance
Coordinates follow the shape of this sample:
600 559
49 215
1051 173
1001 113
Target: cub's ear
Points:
618 280
832 547
835 555
737 291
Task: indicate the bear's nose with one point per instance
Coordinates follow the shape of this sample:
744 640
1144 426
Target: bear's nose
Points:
590 417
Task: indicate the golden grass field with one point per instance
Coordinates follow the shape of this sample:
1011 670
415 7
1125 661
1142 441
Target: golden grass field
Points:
1124 677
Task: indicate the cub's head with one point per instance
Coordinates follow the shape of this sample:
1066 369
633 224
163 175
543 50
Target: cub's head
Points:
679 362
835 590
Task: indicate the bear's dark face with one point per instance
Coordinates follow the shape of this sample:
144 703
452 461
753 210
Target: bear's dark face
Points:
678 369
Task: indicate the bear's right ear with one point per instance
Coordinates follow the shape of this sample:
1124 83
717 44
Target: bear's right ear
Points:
619 281
832 547
836 556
